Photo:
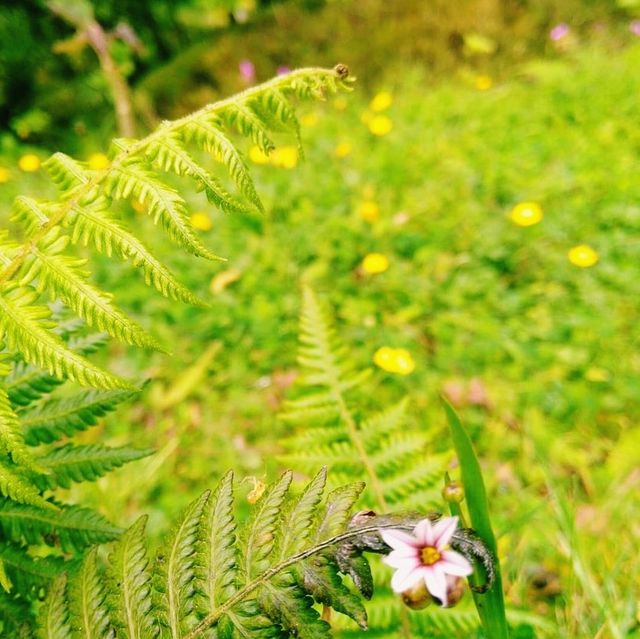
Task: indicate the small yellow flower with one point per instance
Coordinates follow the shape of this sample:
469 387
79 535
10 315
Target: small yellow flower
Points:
369 211
257 156
138 206
375 263
597 374
342 150
526 214
394 360
309 119
201 221
483 82
380 125
285 157
98 161
5 175
340 104
29 163
582 256
381 101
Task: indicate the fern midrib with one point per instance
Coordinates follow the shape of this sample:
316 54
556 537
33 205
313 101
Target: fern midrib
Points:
59 522
268 574
40 418
137 147
349 421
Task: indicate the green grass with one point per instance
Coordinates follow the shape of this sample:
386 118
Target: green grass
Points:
467 293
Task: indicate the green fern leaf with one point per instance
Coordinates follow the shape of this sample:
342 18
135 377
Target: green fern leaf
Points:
217 560
94 225
162 203
16 486
54 614
26 572
208 136
71 527
169 154
26 328
32 215
89 617
61 417
177 564
64 278
11 438
70 463
66 172
130 580
260 539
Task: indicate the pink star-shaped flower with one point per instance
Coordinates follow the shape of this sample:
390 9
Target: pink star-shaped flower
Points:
426 556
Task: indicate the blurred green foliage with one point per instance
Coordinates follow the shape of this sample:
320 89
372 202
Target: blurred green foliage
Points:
538 354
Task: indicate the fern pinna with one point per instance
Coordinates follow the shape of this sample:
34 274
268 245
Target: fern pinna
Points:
38 350
40 536
213 578
394 458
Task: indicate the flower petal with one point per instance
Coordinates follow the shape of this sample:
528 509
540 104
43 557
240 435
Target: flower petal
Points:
404 579
436 583
443 531
424 533
398 540
453 563
400 559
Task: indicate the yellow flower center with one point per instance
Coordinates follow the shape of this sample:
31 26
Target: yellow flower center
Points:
430 555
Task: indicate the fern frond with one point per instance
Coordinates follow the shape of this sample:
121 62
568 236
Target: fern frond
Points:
15 485
64 278
162 203
94 225
60 417
25 384
27 329
54 614
177 569
12 440
27 573
70 527
210 138
89 616
70 463
86 196
130 585
381 447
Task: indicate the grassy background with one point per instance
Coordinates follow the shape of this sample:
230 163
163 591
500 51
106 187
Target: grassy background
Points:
539 355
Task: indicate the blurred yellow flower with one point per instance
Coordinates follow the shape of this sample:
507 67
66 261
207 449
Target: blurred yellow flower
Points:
29 163
138 206
98 161
526 214
369 211
224 279
375 263
483 82
5 175
597 374
257 155
340 104
583 256
201 221
394 360
285 157
309 119
381 101
342 150
380 125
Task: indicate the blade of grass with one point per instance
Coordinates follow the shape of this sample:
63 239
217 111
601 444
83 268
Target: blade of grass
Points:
490 605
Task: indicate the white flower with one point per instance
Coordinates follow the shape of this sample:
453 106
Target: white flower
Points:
425 556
